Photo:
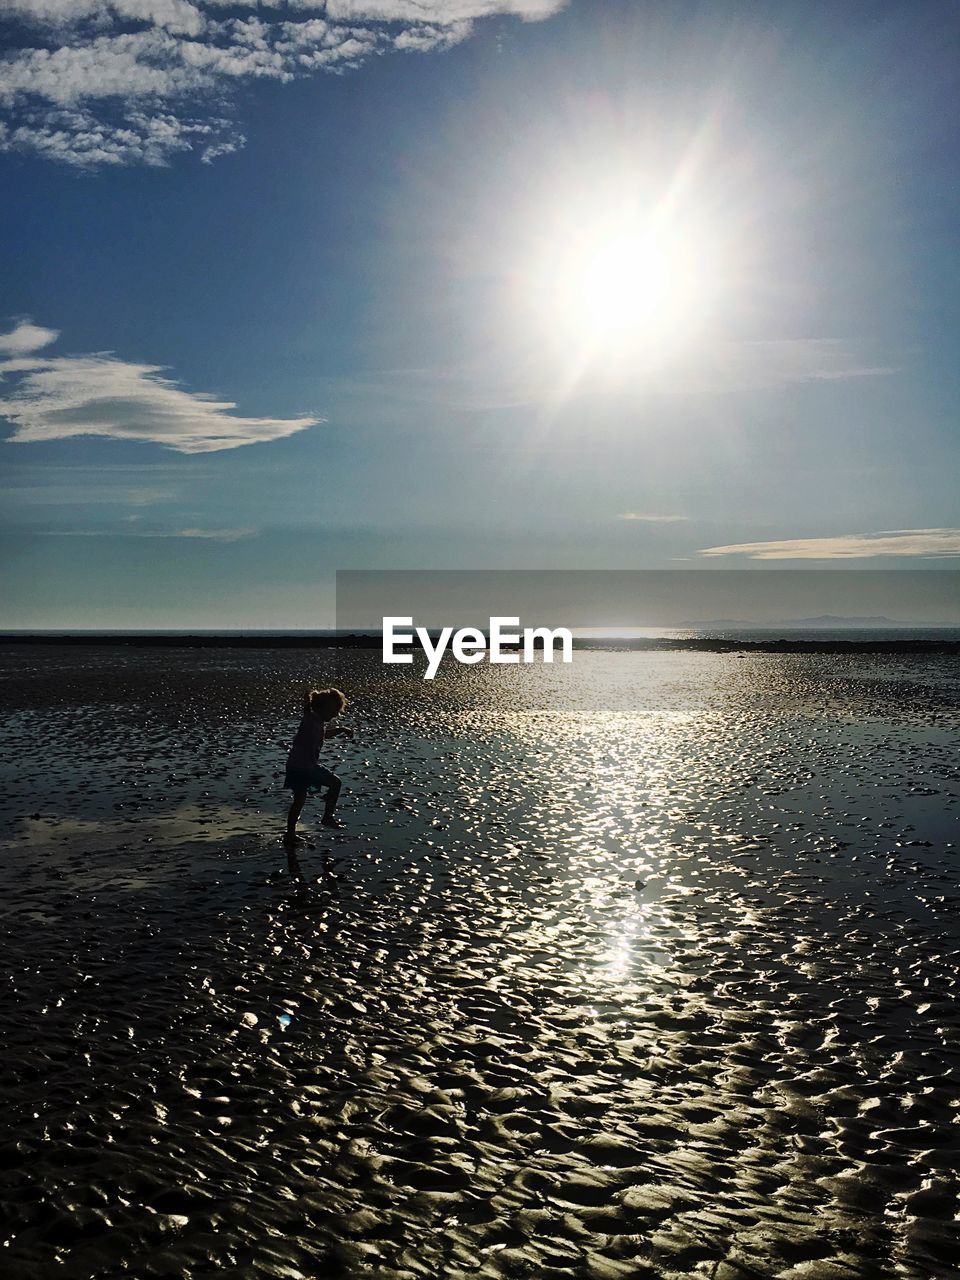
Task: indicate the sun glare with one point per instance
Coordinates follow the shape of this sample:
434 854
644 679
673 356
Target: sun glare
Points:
614 286
627 281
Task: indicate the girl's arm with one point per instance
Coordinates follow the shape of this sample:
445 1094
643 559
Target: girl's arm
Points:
332 730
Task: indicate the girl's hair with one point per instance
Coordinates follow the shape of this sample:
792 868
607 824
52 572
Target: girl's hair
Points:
321 700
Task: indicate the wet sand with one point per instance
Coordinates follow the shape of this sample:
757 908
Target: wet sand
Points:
646 967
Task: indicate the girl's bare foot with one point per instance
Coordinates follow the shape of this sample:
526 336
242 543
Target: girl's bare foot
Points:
332 821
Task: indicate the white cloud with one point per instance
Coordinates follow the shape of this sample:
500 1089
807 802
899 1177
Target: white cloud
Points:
651 519
26 337
56 397
850 546
218 535
77 138
93 82
132 66
438 11
178 16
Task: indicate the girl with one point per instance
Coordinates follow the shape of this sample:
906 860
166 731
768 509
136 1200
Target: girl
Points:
320 707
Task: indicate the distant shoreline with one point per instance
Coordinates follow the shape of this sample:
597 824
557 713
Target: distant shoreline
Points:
703 644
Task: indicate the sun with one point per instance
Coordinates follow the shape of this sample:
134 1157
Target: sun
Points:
610 285
621 281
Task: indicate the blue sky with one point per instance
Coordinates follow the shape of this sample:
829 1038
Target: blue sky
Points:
301 287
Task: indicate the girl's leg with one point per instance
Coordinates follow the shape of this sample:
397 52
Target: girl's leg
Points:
296 808
333 795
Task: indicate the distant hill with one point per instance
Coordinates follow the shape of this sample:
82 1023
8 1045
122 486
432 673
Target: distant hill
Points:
822 622
835 620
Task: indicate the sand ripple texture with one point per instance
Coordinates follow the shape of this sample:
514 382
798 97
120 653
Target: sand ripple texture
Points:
641 968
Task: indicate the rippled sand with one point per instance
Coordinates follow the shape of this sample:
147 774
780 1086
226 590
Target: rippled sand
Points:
641 968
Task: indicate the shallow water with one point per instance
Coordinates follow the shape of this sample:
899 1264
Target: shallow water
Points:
641 967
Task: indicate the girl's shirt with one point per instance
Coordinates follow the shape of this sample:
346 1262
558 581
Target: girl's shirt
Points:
306 743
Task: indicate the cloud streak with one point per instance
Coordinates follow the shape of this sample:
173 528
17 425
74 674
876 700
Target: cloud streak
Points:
58 397
215 535
769 364
924 543
512 377
651 519
79 495
114 82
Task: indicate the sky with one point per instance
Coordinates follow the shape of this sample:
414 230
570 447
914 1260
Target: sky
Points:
296 287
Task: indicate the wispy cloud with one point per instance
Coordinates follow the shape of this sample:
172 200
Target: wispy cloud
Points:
216 535
756 366
506 377
57 397
85 495
437 11
652 519
108 82
850 546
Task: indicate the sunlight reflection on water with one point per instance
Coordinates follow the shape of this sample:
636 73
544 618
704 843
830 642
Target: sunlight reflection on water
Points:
609 947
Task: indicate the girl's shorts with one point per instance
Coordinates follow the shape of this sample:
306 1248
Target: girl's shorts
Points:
309 779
